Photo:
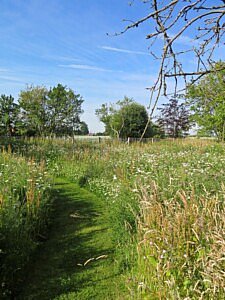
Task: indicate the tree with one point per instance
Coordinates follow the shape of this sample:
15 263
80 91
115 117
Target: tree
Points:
83 129
174 118
207 101
135 118
9 115
64 109
124 119
55 111
33 104
111 116
199 24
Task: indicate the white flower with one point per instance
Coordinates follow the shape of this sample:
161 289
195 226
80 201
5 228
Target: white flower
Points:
141 284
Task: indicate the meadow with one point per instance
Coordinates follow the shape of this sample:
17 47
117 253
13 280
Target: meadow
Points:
164 201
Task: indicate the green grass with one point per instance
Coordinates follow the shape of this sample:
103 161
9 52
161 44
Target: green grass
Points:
161 218
79 231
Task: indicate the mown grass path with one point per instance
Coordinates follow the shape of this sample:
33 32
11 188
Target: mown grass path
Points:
79 232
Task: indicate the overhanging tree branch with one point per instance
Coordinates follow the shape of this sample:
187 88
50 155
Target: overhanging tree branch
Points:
199 23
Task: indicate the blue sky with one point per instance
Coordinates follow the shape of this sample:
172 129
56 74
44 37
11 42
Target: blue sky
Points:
55 41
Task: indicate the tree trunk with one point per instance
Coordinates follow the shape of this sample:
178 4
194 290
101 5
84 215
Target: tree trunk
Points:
223 132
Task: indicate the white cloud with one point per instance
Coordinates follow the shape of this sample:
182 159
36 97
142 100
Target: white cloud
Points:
124 50
87 67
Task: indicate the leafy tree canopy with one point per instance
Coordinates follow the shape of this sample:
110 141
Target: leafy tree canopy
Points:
174 118
207 101
64 109
83 129
9 115
33 104
124 119
55 111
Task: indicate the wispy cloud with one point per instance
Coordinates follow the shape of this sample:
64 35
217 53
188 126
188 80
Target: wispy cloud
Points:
87 67
124 50
61 58
10 78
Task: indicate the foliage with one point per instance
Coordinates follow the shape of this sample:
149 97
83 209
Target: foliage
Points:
110 116
135 118
207 101
82 129
55 111
9 115
64 109
174 118
124 119
33 104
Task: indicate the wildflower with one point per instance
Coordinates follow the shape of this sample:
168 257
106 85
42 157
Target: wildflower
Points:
141 284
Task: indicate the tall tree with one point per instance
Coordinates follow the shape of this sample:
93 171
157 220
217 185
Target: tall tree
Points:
111 116
207 101
9 115
33 103
135 118
124 119
64 109
55 111
174 118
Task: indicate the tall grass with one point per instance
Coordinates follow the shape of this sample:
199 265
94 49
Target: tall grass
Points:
165 201
181 246
24 209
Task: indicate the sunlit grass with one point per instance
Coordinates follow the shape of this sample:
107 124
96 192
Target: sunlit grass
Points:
170 197
165 200
24 209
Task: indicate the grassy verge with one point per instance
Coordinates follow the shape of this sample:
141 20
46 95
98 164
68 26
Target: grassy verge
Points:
24 211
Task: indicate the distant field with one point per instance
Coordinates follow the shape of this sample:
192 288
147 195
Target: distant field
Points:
92 137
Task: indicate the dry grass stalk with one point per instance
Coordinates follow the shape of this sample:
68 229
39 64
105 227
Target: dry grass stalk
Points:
182 245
